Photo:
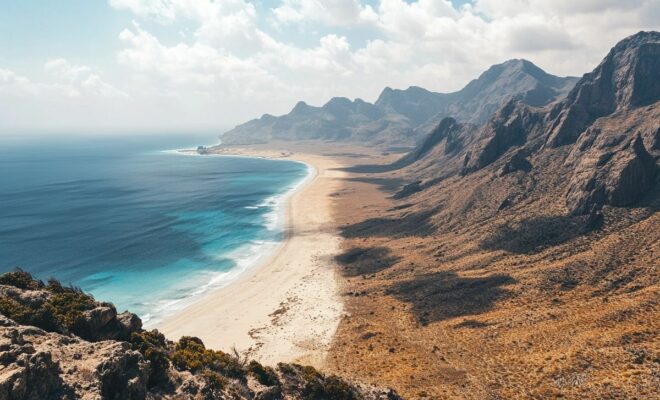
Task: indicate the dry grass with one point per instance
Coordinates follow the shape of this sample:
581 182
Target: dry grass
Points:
449 297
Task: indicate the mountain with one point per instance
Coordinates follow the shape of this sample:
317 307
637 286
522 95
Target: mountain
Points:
606 132
403 117
525 248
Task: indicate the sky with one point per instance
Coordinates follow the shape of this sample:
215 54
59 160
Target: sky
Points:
143 66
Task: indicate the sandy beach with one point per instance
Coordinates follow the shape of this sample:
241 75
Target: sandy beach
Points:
287 308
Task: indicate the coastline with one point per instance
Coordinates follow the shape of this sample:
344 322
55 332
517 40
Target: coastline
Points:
286 306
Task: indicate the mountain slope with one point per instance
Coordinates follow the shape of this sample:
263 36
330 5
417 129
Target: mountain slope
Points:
606 132
519 259
402 117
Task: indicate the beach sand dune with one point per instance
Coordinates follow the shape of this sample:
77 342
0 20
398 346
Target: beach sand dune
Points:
288 308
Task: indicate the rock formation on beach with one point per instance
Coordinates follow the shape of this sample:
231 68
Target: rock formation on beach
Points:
59 343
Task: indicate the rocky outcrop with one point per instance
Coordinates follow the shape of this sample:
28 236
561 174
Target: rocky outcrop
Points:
614 170
99 322
25 373
510 127
628 77
48 364
517 162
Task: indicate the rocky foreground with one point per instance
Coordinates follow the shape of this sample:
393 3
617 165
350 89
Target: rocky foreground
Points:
57 342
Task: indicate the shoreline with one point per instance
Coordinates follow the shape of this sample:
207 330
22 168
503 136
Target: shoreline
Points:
285 307
254 259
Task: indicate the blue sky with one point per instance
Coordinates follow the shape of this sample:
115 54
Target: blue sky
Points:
150 65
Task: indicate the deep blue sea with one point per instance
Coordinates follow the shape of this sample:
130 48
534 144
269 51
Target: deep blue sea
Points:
133 224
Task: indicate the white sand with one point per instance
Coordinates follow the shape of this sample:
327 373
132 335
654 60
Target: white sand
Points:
288 308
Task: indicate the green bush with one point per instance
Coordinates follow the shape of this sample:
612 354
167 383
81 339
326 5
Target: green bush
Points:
317 386
154 348
42 317
265 375
21 280
68 305
191 355
215 384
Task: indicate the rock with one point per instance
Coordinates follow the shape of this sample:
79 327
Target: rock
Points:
630 176
506 203
409 190
29 298
517 162
509 127
603 176
122 374
33 364
628 77
26 373
129 323
99 317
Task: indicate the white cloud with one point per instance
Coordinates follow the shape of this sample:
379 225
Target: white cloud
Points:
225 62
15 85
329 12
79 80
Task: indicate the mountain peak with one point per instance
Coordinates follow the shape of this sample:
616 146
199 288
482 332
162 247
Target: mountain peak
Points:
299 107
628 77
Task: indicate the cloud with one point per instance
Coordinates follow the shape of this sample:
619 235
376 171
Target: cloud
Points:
15 85
79 80
225 61
328 12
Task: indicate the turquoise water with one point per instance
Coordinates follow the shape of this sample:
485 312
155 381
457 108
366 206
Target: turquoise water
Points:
130 223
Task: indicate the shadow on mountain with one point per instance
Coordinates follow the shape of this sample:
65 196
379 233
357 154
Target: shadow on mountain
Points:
373 168
535 234
443 295
387 185
413 224
362 261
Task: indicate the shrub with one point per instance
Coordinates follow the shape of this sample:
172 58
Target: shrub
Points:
42 317
21 280
153 347
68 305
190 354
215 383
317 386
265 375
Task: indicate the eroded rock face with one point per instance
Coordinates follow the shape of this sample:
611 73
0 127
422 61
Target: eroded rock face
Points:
611 167
517 162
25 373
510 127
628 77
40 365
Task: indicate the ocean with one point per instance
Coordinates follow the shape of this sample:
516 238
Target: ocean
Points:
132 223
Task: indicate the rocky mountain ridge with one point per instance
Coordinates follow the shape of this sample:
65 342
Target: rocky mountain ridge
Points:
403 117
606 130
